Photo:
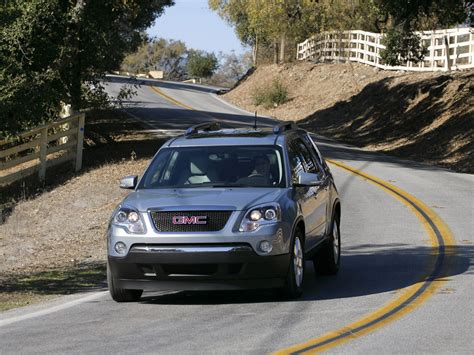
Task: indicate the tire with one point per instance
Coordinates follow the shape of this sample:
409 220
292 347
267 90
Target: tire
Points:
294 280
327 261
119 294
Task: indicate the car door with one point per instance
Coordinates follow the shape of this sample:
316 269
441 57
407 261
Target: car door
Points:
312 200
325 178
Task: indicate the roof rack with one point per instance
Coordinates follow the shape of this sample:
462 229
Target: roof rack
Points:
284 126
206 127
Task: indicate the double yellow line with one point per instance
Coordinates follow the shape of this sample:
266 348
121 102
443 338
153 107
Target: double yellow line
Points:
178 103
412 296
441 240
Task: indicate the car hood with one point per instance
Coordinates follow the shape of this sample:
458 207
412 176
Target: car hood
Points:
236 199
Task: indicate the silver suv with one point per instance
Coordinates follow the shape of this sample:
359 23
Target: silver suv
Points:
226 209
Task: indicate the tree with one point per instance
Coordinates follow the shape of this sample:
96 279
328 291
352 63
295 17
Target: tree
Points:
405 17
158 54
401 46
424 14
231 68
201 64
54 51
235 12
258 23
261 22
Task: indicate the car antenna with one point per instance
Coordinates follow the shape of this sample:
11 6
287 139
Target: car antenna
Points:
255 122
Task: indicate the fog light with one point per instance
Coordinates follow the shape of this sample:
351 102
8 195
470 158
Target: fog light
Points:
120 248
266 246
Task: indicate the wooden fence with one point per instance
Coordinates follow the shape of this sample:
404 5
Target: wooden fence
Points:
43 147
447 49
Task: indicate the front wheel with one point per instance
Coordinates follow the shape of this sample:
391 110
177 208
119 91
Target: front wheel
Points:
327 261
119 294
294 281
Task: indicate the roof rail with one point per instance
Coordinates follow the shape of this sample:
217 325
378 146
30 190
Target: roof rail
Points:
207 126
284 126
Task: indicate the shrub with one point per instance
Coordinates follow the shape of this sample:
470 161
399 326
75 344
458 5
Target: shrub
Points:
402 45
271 96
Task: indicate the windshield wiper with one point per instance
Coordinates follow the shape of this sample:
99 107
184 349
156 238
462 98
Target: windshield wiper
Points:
228 185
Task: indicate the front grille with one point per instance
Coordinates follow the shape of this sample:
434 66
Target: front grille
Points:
215 221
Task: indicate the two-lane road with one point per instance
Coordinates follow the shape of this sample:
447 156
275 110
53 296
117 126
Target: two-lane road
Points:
383 293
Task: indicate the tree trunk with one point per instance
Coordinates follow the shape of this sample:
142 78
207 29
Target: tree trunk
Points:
282 48
75 88
275 53
255 52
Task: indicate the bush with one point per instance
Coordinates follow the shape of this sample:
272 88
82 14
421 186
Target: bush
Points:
201 64
402 45
271 96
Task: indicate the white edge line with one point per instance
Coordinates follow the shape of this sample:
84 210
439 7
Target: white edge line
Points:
53 309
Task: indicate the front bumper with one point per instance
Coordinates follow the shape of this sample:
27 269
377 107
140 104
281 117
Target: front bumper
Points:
154 267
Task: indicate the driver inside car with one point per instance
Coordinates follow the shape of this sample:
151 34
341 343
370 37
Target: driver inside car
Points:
260 174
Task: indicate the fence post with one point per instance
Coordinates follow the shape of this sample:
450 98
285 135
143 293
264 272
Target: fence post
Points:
447 65
471 47
432 50
80 141
43 153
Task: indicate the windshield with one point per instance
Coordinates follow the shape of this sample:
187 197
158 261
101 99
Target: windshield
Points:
219 166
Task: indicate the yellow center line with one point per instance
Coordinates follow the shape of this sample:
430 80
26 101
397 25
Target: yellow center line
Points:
178 103
441 239
412 296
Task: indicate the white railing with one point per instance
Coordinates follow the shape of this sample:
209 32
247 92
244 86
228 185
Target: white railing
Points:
41 148
447 49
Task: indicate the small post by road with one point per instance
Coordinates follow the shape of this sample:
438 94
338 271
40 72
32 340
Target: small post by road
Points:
43 153
80 141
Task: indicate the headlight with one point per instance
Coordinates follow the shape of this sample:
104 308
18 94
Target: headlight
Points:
129 219
257 216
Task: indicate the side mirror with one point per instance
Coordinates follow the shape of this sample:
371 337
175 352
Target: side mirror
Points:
308 179
129 182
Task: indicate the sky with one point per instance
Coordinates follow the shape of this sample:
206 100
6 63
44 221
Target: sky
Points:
192 22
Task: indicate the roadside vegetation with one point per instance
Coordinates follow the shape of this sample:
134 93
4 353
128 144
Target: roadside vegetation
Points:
273 28
177 62
54 53
271 95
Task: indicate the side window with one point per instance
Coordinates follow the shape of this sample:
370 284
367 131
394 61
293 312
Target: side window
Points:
156 170
313 150
296 161
310 164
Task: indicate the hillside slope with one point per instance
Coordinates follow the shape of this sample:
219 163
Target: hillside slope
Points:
426 117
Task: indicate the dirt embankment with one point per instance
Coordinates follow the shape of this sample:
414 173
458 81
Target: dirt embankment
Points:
426 117
53 239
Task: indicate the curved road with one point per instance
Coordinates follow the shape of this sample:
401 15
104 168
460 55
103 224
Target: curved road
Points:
388 253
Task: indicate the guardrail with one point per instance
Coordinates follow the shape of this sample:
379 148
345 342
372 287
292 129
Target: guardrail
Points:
42 148
447 49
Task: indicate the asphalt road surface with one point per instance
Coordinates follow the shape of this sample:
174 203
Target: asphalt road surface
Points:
405 284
